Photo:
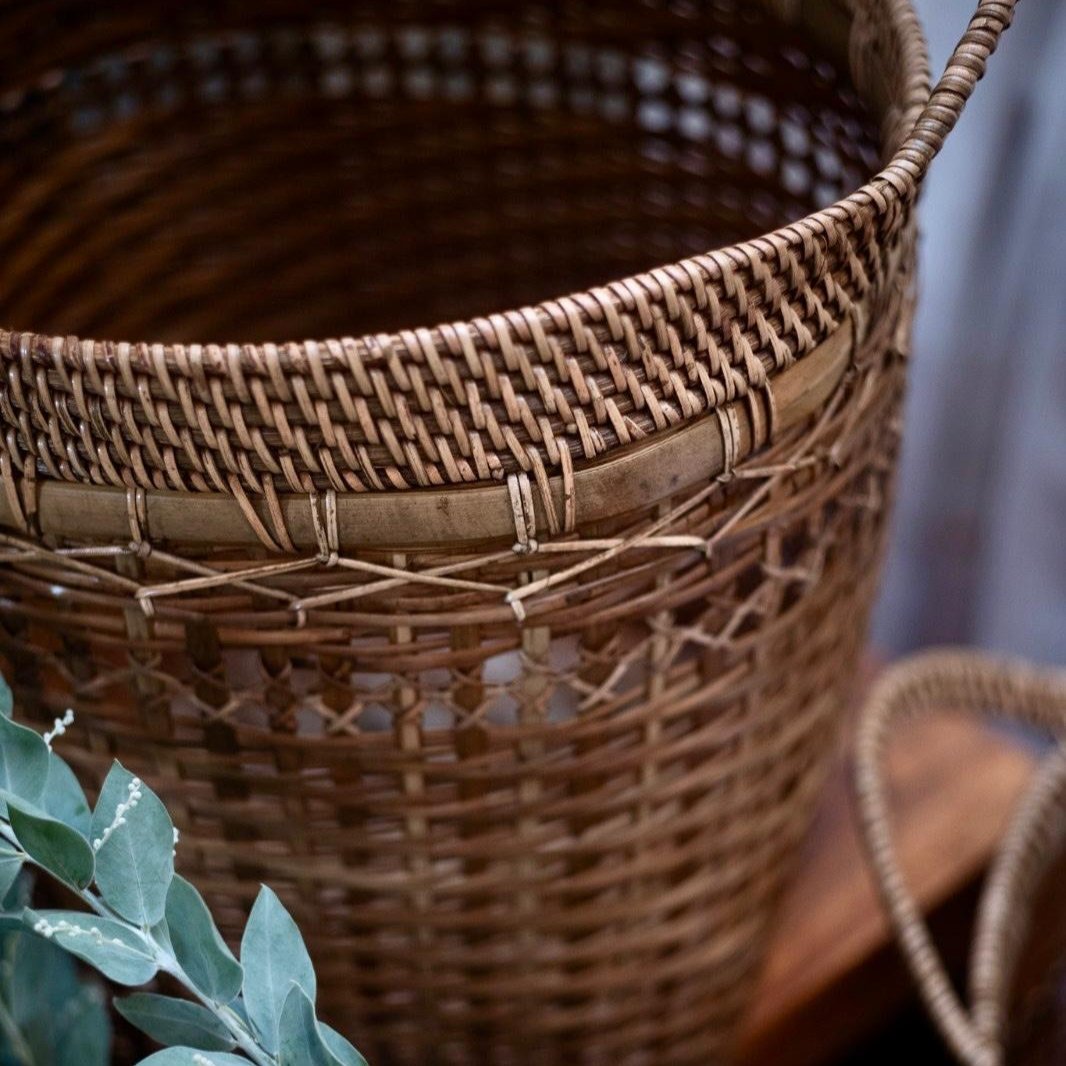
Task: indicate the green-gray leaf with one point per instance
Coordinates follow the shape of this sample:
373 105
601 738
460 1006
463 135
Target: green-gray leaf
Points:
175 1021
23 761
190 1056
299 1041
7 700
39 978
160 933
237 1006
198 946
117 952
10 865
85 1036
60 1016
274 957
62 851
135 861
63 797
340 1048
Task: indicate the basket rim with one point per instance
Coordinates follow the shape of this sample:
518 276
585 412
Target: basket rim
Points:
671 462
893 185
462 405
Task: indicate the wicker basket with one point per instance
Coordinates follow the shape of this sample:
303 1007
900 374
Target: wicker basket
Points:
1036 839
510 650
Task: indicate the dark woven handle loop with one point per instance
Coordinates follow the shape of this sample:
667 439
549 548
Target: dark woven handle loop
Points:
1034 840
941 681
947 100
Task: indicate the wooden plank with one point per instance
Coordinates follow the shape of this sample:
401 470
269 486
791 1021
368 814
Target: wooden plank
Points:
832 975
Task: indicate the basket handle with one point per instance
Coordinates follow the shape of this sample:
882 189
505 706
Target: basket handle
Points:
944 106
940 681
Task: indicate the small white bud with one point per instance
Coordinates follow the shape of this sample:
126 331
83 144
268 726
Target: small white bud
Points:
134 796
59 727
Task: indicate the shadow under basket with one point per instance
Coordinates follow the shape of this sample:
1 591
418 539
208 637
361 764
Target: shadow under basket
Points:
509 651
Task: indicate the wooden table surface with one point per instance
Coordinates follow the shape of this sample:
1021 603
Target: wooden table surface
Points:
832 976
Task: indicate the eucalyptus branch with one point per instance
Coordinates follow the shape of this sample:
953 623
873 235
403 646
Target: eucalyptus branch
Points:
242 1036
142 919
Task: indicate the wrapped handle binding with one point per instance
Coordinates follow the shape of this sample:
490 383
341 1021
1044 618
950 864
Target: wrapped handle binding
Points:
960 681
937 118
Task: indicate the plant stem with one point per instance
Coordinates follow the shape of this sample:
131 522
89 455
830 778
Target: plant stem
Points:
245 1040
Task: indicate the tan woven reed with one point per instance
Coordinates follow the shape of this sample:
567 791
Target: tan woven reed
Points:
509 650
953 682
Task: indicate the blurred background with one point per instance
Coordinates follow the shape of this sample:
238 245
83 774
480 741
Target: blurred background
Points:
979 546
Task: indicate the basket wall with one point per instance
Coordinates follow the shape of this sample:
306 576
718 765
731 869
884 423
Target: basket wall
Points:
560 844
556 839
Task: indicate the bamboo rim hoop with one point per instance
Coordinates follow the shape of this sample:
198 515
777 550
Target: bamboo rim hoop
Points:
954 681
28 505
670 463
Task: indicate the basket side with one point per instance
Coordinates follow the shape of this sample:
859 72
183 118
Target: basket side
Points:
554 841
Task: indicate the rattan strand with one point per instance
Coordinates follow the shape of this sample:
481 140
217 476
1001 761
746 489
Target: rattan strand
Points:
532 796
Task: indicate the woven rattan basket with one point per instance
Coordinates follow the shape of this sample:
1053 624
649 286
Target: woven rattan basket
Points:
1035 840
508 650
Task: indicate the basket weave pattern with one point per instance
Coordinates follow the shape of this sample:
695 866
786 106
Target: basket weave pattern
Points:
463 402
527 841
517 841
531 789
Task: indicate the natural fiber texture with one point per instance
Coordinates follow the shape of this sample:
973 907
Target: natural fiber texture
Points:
532 796
473 188
948 681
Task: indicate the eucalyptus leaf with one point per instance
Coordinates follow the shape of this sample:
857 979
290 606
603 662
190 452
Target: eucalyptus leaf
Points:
83 1031
274 958
160 933
61 1018
118 952
135 853
190 1056
7 700
340 1047
18 899
299 1041
63 797
13 903
62 851
45 978
198 946
237 1006
175 1021
23 761
11 922
10 867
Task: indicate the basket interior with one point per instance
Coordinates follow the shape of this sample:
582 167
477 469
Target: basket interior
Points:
247 172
